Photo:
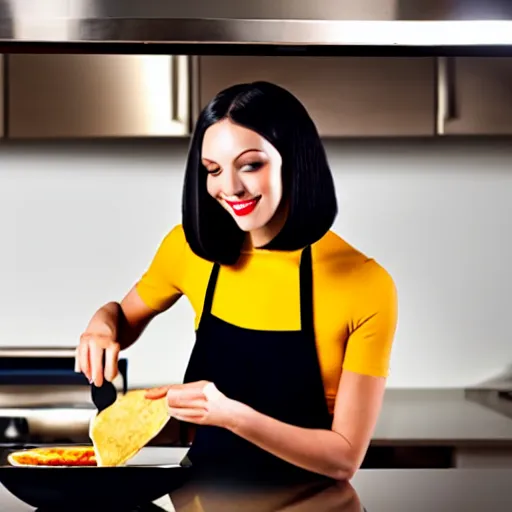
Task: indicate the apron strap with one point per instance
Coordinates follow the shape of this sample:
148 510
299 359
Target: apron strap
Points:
306 292
210 290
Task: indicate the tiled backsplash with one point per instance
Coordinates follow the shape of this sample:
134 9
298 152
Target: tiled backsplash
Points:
81 221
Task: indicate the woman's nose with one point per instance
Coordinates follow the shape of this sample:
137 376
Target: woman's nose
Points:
231 184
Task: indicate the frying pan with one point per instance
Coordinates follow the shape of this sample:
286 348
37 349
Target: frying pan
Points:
80 488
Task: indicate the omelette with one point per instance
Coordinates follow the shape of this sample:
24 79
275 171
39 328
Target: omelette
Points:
121 430
117 433
54 456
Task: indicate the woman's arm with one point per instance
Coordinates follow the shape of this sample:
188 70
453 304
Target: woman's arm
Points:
134 316
114 327
336 453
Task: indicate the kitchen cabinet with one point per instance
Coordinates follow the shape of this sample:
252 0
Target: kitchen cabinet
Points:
346 96
85 96
475 96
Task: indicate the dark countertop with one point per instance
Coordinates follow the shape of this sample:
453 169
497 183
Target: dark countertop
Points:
450 490
454 490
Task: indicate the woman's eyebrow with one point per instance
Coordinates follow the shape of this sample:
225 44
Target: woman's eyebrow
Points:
211 161
248 151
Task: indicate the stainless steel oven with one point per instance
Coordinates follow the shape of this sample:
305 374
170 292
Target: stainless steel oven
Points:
43 399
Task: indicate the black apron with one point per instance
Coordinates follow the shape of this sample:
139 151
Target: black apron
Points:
275 372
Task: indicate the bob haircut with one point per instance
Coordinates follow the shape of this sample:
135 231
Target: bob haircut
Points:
308 187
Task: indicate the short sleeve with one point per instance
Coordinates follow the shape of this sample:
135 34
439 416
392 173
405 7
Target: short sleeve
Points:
160 285
374 320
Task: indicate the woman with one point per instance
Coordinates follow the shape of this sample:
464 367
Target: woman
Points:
294 326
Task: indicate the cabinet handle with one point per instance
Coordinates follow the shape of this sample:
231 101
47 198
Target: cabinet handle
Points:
175 84
446 93
179 82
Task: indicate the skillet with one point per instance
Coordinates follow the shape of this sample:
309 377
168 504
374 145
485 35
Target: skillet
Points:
147 477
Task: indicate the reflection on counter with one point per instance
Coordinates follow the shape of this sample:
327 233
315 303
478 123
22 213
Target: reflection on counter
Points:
449 490
214 497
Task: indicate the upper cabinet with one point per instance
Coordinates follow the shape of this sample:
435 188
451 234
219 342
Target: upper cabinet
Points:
114 96
345 96
475 96
85 96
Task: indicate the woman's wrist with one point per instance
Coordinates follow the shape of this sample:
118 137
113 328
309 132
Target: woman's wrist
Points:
237 416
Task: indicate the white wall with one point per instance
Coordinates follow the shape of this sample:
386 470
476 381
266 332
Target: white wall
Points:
80 223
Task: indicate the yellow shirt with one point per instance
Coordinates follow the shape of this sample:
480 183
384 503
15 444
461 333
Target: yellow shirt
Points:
354 299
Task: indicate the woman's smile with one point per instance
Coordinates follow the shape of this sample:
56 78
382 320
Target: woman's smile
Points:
244 207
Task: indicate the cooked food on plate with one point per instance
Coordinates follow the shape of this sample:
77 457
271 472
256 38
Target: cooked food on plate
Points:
54 456
117 433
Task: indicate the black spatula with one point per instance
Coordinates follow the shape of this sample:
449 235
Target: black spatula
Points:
105 395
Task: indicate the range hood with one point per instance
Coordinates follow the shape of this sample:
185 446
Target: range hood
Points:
195 25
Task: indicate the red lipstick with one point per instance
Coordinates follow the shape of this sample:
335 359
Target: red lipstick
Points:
243 207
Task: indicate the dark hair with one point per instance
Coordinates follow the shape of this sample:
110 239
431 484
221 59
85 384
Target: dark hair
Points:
278 116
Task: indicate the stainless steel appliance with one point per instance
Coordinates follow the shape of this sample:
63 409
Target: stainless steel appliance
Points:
198 23
42 398
144 68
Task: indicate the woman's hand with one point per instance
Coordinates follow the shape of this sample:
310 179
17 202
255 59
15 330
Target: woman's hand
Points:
198 402
114 327
89 358
99 338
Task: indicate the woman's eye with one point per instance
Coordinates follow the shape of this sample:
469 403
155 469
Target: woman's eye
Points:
214 171
251 167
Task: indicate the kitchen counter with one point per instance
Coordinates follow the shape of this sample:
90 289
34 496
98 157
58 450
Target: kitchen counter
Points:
439 490
419 428
434 417
409 417
428 428
439 417
375 490
450 490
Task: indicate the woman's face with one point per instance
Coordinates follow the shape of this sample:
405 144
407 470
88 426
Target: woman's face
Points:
244 176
